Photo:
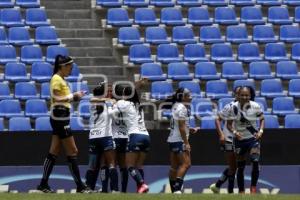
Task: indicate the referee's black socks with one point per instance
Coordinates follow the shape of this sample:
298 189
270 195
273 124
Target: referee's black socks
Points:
48 166
73 166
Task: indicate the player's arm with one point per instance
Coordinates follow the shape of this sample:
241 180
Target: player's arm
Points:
140 83
67 98
232 129
183 134
259 134
219 129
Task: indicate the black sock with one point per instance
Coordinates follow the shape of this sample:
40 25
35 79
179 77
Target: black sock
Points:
104 178
172 183
73 166
113 176
91 178
223 178
142 173
240 175
48 166
255 173
178 184
230 183
134 173
124 179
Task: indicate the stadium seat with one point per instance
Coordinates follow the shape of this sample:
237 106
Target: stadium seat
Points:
145 17
54 50
140 53
297 14
242 83
7 4
208 122
252 15
171 17
225 16
249 52
289 33
136 3
43 124
5 91
183 35
79 86
199 16
221 53
7 54
19 124
167 53
189 3
287 70
243 2
10 108
263 104
161 90
19 36
153 72
46 35
36 108
283 106
292 2
156 35
25 91
75 75
36 17
279 15
129 36
162 3
179 71
275 52
3 36
269 2
294 88
15 72
41 71
31 54
84 109
118 17
45 90
295 52
201 107
211 34
237 34
76 124
215 2
263 34
233 71
217 89
260 70
28 3
192 86
292 121
271 121
223 102
206 71
109 3
192 122
11 17
271 88
1 124
194 53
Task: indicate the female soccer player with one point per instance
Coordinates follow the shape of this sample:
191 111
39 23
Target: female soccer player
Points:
61 99
246 112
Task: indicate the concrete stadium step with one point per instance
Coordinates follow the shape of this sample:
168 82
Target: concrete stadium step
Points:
69 14
93 81
89 51
101 69
86 42
72 4
80 33
95 61
76 23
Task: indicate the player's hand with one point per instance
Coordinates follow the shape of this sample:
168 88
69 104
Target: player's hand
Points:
78 95
258 135
187 147
238 136
194 130
222 139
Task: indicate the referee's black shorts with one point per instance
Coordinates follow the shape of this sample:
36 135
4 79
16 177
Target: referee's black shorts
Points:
60 121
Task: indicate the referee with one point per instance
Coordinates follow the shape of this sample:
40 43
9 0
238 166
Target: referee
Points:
61 99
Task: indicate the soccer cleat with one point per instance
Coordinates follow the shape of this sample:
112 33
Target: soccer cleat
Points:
45 189
177 192
143 188
253 190
84 190
214 188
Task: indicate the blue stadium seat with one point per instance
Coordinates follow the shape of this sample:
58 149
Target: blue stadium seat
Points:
296 52
162 3
297 14
189 3
225 16
46 35
283 106
201 107
292 2
192 86
206 71
136 3
279 15
264 34
36 108
25 91
294 88
41 71
271 88
161 90
199 16
5 91
171 17
275 52
45 90
271 121
242 83
129 36
211 34
145 17
84 109
289 33
3 36
153 72
118 17
179 71
192 122
269 2
75 75
43 124
217 89
54 50
249 52
243 2
10 108
156 35
215 2
167 53
140 53
287 70
31 54
79 86
11 17
28 3
35 17
183 35
221 53
208 122
16 72
252 15
237 34
7 54
263 104
19 124
292 121
7 4
223 102
260 70
233 71
194 53
19 36
1 124
76 124
109 3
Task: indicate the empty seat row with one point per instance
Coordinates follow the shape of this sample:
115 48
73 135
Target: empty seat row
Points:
21 3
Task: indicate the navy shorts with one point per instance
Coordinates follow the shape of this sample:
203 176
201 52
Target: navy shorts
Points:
121 145
138 142
227 147
241 147
99 145
60 122
176 147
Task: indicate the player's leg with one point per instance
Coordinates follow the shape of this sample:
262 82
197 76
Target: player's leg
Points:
254 157
185 163
231 161
174 164
110 158
121 145
94 165
241 164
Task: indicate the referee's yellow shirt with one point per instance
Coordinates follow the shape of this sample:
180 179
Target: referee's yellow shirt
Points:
59 84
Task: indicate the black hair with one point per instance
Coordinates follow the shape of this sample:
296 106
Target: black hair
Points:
61 61
127 91
176 97
251 90
98 92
